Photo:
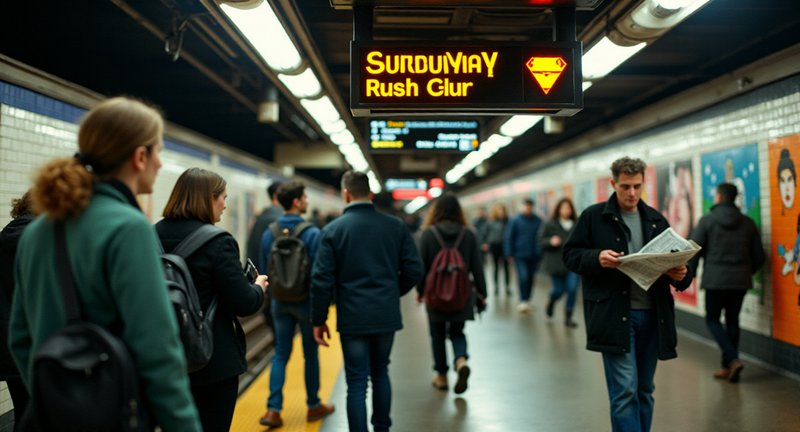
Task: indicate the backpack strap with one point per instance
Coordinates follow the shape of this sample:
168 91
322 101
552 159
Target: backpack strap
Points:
439 238
69 296
196 239
298 229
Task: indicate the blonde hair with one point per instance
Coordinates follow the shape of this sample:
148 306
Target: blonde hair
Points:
498 212
109 134
192 195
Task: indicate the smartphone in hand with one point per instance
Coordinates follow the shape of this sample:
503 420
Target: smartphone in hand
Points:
250 271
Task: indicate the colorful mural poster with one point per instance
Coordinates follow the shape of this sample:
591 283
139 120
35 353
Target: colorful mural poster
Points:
583 195
785 243
603 188
675 191
738 166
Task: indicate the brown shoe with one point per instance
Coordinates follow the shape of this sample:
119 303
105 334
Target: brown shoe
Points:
322 411
440 382
723 373
271 419
462 369
736 367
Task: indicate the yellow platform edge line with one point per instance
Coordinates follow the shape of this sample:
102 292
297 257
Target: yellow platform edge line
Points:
252 403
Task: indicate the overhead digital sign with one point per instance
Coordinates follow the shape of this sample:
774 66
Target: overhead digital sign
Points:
458 78
423 135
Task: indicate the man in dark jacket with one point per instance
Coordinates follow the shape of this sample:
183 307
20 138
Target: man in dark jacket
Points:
520 244
732 252
366 260
630 326
268 216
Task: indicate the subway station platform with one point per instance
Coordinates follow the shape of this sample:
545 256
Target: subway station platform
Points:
534 374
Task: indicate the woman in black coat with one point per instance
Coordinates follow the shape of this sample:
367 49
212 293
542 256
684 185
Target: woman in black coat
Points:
446 221
552 236
197 199
22 215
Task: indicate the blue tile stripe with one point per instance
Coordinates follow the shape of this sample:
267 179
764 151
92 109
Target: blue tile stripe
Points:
238 166
187 149
38 103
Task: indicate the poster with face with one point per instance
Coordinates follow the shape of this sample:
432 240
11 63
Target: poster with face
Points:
676 203
785 242
738 166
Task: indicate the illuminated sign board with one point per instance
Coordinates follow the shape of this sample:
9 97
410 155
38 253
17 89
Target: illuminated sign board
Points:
459 78
423 135
396 183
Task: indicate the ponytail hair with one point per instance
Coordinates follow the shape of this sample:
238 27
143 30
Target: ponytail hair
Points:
109 134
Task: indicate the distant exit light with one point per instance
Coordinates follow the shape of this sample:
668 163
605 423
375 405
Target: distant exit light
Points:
546 70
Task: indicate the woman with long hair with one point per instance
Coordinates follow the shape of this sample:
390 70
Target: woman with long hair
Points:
198 198
552 236
112 250
445 224
495 227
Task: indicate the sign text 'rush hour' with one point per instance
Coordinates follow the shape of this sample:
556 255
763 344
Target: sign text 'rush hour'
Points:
532 78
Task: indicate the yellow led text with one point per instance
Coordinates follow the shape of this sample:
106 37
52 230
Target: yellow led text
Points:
447 63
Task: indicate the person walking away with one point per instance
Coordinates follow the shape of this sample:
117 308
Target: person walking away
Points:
521 247
291 314
268 216
198 198
493 243
731 253
113 254
631 327
552 236
22 215
366 261
446 225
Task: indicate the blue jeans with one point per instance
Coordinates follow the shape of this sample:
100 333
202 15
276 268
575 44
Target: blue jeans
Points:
565 283
367 356
439 332
629 376
727 337
526 268
285 317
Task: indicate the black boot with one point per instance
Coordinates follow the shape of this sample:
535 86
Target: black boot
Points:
549 310
568 320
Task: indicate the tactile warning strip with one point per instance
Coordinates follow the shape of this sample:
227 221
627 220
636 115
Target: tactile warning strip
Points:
252 404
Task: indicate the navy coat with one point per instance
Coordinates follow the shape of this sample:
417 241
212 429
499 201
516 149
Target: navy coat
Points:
366 260
606 292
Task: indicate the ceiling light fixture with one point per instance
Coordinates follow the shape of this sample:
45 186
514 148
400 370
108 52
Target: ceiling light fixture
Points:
302 85
605 56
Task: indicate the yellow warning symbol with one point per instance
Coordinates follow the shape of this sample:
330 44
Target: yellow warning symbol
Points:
546 70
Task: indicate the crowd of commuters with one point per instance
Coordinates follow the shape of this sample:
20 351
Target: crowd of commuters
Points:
92 195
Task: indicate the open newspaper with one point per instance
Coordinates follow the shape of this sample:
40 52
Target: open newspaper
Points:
668 250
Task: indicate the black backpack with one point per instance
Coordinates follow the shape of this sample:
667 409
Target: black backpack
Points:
196 326
83 378
288 265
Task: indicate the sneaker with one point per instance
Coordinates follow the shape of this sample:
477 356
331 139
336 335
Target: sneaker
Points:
440 382
462 370
723 373
524 307
570 323
319 412
272 419
736 367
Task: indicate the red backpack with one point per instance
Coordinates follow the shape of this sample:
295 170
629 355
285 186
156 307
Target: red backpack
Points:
447 286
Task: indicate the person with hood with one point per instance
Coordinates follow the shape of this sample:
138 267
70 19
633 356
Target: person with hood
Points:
22 215
731 252
446 224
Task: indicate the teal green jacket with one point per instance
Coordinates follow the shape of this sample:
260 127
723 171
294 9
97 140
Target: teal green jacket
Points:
113 255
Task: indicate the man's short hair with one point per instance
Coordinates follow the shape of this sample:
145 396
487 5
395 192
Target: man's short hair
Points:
273 189
727 192
288 192
627 166
357 183
527 201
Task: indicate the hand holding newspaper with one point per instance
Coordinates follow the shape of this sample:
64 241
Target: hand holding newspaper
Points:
668 250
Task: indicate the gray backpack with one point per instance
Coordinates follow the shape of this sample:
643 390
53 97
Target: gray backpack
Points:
288 267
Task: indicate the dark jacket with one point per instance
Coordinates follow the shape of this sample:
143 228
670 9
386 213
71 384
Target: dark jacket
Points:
269 215
606 292
366 260
9 238
552 263
470 253
495 229
520 237
217 271
732 249
119 278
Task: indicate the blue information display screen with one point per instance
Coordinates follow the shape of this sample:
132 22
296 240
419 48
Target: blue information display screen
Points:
457 136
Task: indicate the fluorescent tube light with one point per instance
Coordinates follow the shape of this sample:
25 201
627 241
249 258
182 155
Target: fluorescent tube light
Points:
605 56
321 109
331 128
518 124
415 204
374 184
266 34
302 85
342 138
